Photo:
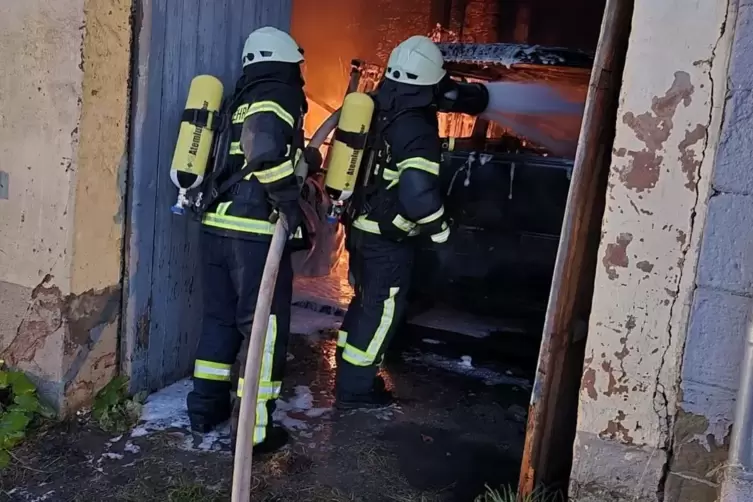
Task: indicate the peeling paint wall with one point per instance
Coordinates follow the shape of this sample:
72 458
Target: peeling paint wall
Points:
64 89
668 128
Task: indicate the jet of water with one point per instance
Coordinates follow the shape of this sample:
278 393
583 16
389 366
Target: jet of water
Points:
537 112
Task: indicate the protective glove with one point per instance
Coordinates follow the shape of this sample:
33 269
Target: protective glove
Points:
313 159
293 215
285 202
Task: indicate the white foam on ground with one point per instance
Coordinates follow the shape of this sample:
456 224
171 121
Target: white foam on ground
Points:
301 402
431 341
307 322
21 494
132 448
166 409
460 366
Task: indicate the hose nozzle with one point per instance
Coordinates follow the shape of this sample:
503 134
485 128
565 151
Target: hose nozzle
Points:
463 97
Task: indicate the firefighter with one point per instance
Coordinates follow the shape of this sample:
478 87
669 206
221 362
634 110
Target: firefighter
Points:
402 205
265 139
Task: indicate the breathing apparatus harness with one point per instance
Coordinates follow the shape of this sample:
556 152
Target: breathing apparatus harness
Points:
211 189
377 156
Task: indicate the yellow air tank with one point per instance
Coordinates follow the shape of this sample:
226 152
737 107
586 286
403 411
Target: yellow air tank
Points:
197 127
348 144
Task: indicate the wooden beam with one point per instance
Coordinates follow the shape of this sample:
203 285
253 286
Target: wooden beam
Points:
547 456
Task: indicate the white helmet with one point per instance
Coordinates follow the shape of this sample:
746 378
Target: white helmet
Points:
270 44
416 61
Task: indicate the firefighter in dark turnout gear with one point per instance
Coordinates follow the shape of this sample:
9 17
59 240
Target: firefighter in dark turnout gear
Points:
265 140
402 205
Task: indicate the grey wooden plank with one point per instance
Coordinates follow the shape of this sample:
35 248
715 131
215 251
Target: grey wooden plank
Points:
185 316
177 40
237 33
146 99
219 42
162 280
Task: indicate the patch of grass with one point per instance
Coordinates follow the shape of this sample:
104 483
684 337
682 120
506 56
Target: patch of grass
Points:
19 407
113 410
507 494
180 490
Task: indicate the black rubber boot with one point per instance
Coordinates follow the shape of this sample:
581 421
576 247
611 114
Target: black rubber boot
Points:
207 414
375 399
203 424
277 437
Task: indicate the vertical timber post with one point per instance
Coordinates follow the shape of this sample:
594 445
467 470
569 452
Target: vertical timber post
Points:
552 416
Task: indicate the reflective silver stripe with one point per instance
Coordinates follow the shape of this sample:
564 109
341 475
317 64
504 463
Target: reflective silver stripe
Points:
403 224
210 370
419 163
443 235
432 217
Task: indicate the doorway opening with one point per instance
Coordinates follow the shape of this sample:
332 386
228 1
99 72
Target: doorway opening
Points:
466 358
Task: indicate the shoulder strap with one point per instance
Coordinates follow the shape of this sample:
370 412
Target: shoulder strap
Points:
221 149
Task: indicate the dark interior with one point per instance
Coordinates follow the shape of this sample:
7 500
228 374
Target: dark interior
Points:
507 211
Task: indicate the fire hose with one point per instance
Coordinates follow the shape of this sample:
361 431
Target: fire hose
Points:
247 419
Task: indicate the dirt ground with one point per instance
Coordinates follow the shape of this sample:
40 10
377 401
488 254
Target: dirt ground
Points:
459 427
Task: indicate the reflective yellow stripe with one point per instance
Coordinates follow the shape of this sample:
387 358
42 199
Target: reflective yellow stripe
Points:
210 370
274 173
260 427
451 146
362 223
267 390
390 175
443 235
372 227
342 337
245 111
403 224
419 163
222 208
235 148
432 217
239 224
358 357
269 350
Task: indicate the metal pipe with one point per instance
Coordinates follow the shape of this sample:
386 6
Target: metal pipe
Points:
741 445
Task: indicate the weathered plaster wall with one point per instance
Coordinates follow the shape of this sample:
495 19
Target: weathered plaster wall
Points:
63 134
667 131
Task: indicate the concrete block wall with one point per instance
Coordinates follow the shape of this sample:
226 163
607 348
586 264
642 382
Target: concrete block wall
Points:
63 141
640 434
720 319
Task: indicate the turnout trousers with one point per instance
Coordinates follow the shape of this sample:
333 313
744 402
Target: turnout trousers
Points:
232 270
381 269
